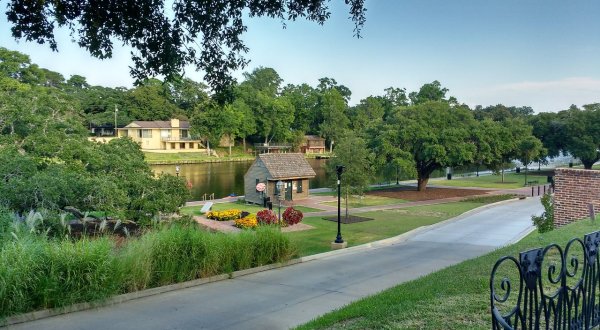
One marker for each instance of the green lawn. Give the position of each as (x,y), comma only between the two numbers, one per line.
(456,297)
(386,224)
(511,180)
(195,210)
(366,200)
(237,154)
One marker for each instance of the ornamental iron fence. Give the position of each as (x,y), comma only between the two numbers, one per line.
(557,288)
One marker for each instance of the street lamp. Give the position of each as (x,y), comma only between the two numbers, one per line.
(339,169)
(279,185)
(177,169)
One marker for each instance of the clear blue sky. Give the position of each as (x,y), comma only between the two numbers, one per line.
(541,53)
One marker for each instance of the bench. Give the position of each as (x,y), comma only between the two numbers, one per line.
(206,207)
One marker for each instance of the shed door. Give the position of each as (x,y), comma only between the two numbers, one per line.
(288,190)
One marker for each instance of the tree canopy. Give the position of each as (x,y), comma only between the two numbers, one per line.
(207,34)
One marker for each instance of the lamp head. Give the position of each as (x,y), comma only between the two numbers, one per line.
(339,169)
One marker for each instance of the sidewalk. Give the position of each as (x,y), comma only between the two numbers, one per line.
(290,296)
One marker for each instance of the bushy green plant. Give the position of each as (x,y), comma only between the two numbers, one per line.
(37,272)
(545,222)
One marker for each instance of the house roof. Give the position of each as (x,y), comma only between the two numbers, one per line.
(289,165)
(157,124)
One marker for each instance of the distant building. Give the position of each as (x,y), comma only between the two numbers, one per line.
(313,144)
(162,135)
(290,168)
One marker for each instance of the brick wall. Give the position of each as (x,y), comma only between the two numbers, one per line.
(574,190)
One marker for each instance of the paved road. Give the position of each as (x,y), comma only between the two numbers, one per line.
(282,298)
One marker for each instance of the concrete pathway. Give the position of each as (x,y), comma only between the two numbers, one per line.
(289,296)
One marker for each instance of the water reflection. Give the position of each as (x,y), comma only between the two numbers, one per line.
(226,178)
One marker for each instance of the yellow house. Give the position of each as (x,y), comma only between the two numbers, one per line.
(162,135)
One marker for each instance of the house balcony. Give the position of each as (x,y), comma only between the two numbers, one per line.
(178,139)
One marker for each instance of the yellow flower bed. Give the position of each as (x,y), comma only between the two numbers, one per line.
(248,221)
(224,215)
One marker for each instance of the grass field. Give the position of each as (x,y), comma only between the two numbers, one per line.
(511,180)
(237,154)
(456,297)
(366,200)
(195,210)
(386,224)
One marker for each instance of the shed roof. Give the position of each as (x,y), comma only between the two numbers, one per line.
(157,124)
(289,165)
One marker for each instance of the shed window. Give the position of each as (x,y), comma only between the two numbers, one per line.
(299,186)
(257,181)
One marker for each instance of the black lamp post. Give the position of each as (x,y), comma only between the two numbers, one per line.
(339,169)
(177,168)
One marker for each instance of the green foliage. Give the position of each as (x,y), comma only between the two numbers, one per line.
(431,135)
(545,222)
(37,273)
(165,40)
(352,152)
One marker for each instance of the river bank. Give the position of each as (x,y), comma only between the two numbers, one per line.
(156,158)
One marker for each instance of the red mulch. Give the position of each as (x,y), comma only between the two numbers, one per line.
(411,193)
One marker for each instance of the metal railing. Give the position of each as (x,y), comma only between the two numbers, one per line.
(206,197)
(548,288)
(178,139)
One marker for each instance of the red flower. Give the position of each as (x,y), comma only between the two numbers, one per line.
(292,216)
(266,217)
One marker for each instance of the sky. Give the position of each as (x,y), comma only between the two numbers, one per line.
(539,53)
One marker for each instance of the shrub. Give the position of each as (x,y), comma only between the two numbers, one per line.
(248,221)
(292,216)
(37,273)
(545,222)
(224,215)
(266,217)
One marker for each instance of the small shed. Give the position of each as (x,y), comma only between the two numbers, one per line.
(313,144)
(291,168)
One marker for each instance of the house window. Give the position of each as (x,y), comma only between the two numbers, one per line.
(299,186)
(184,133)
(145,133)
(257,181)
(165,133)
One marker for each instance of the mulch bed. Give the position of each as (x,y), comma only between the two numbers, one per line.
(411,193)
(350,219)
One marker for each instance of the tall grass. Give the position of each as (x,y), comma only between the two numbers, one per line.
(37,273)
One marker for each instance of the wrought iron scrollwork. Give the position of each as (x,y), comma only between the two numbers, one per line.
(548,288)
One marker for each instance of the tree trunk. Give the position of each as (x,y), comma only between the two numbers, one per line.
(331,146)
(502,170)
(422,183)
(346,204)
(244,139)
(588,163)
(208,147)
(229,145)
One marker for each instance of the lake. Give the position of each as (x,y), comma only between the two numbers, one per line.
(227,178)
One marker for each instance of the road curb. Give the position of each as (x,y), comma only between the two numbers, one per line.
(46,313)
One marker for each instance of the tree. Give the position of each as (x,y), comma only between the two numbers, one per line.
(352,152)
(582,133)
(528,149)
(333,107)
(434,134)
(151,101)
(207,123)
(430,92)
(206,34)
